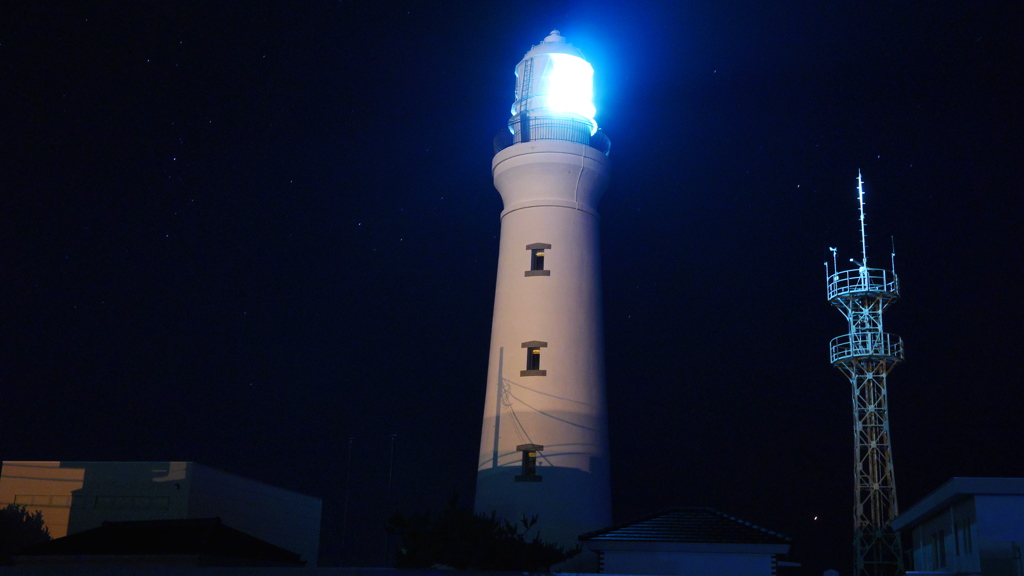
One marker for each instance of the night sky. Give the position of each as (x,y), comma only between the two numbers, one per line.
(244,233)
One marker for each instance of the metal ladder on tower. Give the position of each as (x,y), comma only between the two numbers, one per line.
(524,96)
(525,85)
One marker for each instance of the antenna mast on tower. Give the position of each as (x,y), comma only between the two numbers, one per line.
(866,355)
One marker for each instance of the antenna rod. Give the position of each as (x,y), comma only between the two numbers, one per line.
(893,239)
(863,240)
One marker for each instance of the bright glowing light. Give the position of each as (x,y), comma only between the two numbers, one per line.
(561,85)
(569,85)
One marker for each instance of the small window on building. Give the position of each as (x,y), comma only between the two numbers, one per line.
(537,252)
(942,549)
(529,471)
(968,543)
(537,259)
(533,359)
(54,500)
(939,550)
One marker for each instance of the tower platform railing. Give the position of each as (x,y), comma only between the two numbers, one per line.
(867,346)
(550,128)
(863,281)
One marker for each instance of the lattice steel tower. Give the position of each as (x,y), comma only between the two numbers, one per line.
(865,355)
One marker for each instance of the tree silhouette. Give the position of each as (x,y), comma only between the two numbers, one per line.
(18,529)
(459,539)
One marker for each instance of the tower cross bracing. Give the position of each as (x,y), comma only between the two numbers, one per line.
(865,355)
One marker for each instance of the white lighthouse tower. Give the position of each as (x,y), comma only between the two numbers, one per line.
(544,443)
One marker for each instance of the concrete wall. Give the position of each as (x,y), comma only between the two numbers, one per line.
(949,539)
(1000,533)
(978,533)
(78,496)
(283,518)
(127,492)
(550,190)
(42,487)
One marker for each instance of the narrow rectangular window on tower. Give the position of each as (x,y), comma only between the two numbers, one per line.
(529,471)
(537,259)
(533,358)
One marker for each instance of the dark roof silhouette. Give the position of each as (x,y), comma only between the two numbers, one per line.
(206,541)
(688,525)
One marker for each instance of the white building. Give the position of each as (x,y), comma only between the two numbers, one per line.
(78,496)
(543,446)
(967,526)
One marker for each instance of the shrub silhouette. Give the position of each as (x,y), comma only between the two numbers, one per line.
(459,539)
(18,529)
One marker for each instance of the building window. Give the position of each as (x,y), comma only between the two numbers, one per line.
(131,503)
(939,549)
(529,471)
(537,259)
(42,500)
(537,252)
(533,358)
(968,544)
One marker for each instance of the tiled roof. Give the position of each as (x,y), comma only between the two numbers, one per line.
(691,525)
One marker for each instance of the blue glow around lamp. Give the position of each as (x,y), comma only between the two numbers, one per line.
(553,80)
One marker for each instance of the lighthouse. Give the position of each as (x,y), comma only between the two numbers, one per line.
(544,439)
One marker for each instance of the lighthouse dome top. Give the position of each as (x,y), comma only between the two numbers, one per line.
(554,43)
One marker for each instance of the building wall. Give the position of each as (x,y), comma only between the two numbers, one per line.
(948,540)
(128,492)
(550,190)
(1000,533)
(42,487)
(690,564)
(283,518)
(976,534)
(78,496)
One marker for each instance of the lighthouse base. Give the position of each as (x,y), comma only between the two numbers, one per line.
(566,502)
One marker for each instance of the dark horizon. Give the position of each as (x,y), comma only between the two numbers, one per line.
(241,235)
